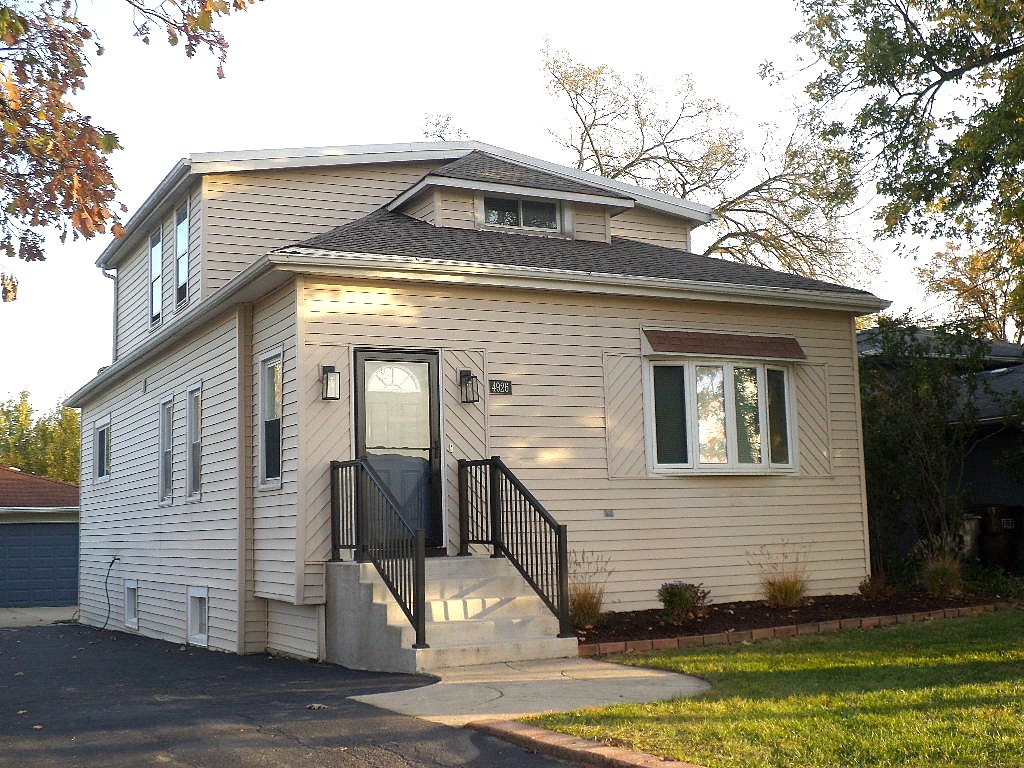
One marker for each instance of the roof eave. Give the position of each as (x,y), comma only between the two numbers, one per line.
(382,266)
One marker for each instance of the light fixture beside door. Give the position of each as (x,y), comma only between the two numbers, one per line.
(330,380)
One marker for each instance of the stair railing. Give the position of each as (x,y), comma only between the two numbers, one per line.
(367,518)
(497,510)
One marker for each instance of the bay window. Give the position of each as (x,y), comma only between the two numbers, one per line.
(719,416)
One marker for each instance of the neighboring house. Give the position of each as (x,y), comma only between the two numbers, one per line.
(317,352)
(38,540)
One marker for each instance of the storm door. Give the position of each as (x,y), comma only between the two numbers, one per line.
(398,431)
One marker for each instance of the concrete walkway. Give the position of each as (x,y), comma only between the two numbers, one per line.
(516,689)
(11,618)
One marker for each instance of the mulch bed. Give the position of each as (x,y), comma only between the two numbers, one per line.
(754,614)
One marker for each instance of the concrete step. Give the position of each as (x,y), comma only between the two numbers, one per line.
(483,631)
(486,608)
(439,657)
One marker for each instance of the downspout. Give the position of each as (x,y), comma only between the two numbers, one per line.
(116,279)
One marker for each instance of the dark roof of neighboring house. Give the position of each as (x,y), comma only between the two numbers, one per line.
(480,166)
(994,387)
(998,351)
(23,489)
(395,234)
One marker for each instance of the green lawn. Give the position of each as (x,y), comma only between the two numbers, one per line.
(947,693)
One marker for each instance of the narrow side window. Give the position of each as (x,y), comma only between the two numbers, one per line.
(166,449)
(778,417)
(670,427)
(181,252)
(195,441)
(131,603)
(271,404)
(101,450)
(156,283)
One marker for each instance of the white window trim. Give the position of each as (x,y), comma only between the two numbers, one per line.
(480,216)
(161,498)
(159,234)
(179,303)
(190,493)
(693,467)
(131,618)
(201,640)
(271,484)
(100,424)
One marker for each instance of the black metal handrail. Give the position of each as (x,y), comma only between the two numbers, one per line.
(367,518)
(496,509)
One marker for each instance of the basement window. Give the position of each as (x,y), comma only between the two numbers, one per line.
(523,214)
(131,603)
(198,616)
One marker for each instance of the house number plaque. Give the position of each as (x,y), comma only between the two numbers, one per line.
(499,386)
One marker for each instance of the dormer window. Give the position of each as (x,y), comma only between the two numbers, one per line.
(526,214)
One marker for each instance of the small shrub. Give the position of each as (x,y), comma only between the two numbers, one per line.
(783,583)
(684,601)
(992,582)
(940,574)
(588,575)
(875,587)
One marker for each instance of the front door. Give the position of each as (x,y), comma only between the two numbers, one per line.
(398,431)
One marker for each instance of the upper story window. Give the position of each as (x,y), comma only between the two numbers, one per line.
(271,407)
(719,416)
(156,283)
(527,214)
(101,449)
(181,252)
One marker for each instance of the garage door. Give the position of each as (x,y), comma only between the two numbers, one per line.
(38,564)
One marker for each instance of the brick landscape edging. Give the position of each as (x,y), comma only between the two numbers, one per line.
(767,633)
(571,748)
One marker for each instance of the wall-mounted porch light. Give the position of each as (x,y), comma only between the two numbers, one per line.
(469,385)
(331,382)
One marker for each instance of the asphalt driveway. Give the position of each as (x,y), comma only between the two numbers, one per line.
(74,696)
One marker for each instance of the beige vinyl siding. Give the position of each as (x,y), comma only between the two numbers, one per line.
(172,546)
(246,215)
(275,532)
(133,326)
(293,630)
(552,429)
(652,227)
(590,222)
(423,207)
(456,208)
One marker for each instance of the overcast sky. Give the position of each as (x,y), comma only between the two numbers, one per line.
(332,72)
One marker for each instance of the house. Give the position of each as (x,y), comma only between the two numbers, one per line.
(38,540)
(337,370)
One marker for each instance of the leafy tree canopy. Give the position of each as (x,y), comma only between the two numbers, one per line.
(930,100)
(53,159)
(45,445)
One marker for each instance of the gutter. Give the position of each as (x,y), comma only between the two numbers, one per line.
(394,267)
(39,510)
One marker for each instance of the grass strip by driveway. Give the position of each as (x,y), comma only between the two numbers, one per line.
(948,693)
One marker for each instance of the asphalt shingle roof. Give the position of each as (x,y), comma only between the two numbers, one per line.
(480,166)
(395,234)
(23,489)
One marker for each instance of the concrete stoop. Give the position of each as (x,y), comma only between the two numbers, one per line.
(479,611)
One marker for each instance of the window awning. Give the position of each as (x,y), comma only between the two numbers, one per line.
(727,344)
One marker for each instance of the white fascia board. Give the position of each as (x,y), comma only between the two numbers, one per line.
(305,157)
(505,189)
(39,510)
(387,267)
(252,283)
(142,220)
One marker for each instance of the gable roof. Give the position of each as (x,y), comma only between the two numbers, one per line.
(395,234)
(186,170)
(23,489)
(483,167)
